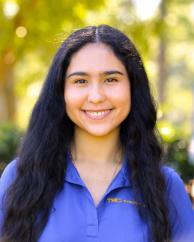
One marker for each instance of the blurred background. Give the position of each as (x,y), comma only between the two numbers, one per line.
(32,30)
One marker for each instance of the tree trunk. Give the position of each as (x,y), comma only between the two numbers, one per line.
(162,65)
(7,97)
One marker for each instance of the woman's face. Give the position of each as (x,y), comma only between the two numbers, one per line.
(97,90)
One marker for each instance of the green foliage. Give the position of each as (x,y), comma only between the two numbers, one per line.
(43,21)
(10,137)
(177,157)
(175,143)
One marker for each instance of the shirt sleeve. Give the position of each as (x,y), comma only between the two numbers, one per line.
(6,180)
(181,213)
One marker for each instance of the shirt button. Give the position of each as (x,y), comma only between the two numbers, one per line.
(92,230)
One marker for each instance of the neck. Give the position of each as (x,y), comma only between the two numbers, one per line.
(96,150)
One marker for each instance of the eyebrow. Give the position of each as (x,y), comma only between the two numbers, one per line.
(81,73)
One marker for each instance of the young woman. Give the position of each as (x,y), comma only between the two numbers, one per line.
(90,166)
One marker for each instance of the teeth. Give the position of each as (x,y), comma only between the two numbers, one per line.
(97,114)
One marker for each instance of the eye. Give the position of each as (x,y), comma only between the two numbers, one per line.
(110,80)
(80,81)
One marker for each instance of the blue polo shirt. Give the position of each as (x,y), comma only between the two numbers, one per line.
(75,218)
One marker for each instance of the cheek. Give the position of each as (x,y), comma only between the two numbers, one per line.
(69,101)
(125,101)
(123,96)
(73,100)
(127,93)
(71,96)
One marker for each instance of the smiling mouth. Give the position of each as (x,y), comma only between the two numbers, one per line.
(96,115)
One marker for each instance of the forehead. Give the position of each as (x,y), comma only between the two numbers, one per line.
(94,57)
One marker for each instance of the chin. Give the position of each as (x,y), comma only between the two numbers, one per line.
(99,133)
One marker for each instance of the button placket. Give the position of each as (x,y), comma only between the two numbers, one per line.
(92,221)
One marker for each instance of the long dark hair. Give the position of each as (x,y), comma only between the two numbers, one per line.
(41,164)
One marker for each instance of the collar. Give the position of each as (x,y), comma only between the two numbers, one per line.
(122,179)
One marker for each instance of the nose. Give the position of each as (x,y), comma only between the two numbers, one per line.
(96,94)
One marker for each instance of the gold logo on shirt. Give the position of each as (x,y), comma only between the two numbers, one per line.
(120,200)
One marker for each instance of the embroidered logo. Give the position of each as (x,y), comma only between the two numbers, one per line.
(120,200)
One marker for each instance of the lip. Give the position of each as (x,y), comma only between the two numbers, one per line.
(104,114)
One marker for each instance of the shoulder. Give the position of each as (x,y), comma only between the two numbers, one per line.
(8,176)
(181,214)
(175,188)
(171,176)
